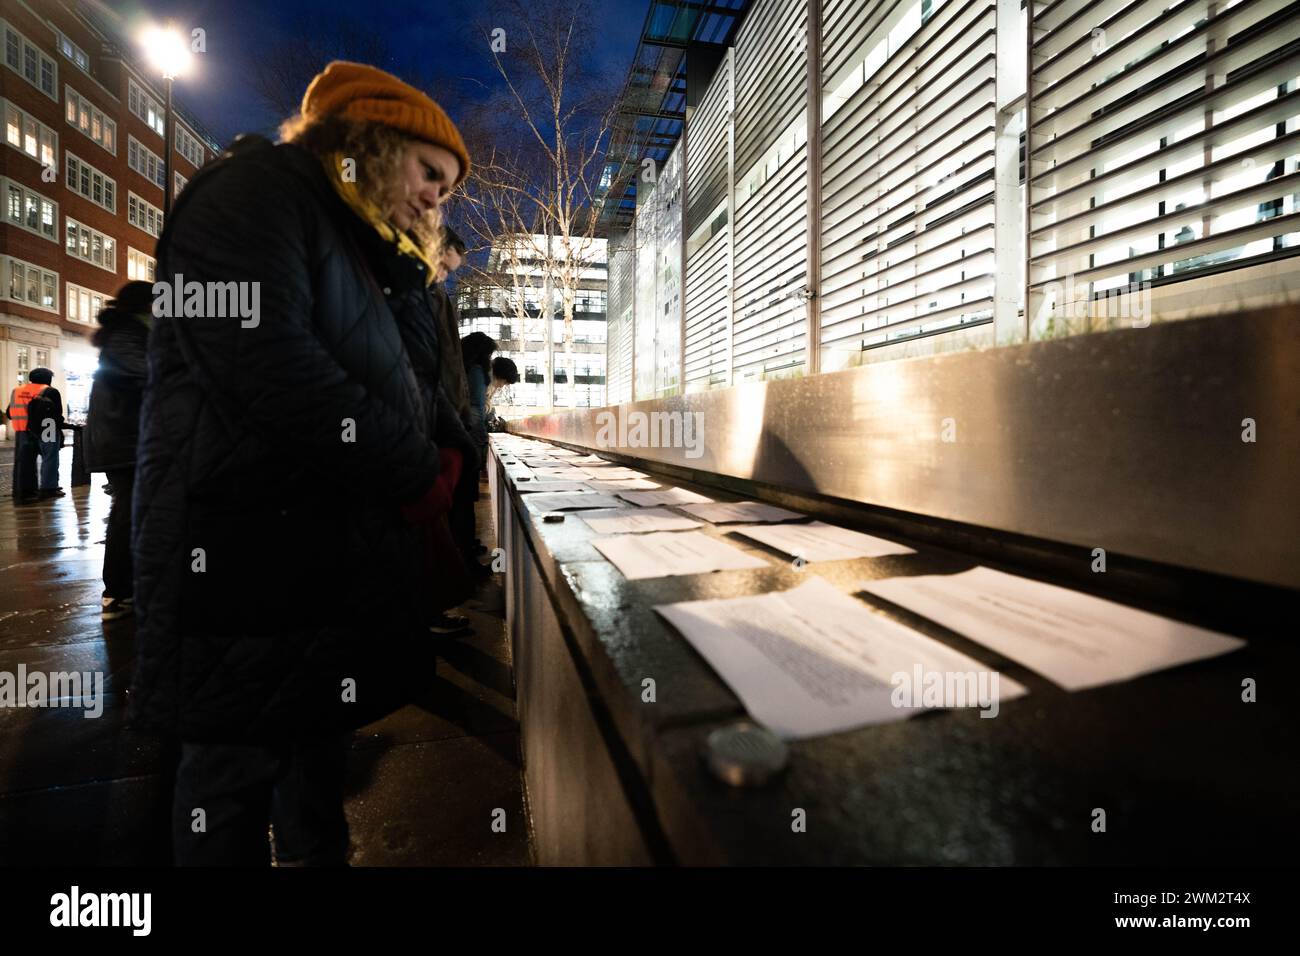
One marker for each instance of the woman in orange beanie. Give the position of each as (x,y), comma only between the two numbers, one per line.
(396,184)
(290,465)
(406,154)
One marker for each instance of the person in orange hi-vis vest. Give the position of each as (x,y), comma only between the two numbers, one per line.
(25,443)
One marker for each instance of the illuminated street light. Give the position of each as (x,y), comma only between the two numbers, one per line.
(167,50)
(169,53)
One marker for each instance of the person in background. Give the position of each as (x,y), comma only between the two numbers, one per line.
(456,385)
(448,318)
(504,374)
(113,426)
(476,350)
(25,444)
(418,311)
(45,426)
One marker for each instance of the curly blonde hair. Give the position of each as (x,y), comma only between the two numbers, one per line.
(378,151)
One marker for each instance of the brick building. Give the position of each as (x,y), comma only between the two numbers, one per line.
(81,183)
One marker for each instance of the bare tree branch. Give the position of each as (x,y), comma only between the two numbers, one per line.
(542,138)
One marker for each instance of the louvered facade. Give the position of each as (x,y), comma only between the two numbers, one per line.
(969,173)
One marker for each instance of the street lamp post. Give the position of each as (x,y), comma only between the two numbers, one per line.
(169,135)
(168,52)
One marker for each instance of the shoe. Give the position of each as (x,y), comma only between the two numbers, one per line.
(449,625)
(114,608)
(51,493)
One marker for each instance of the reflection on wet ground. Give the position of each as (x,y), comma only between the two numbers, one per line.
(424,783)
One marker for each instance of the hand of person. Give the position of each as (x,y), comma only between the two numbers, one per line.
(450,461)
(437,500)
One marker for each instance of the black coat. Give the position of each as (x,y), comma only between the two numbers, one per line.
(415,306)
(275,456)
(446,320)
(113,422)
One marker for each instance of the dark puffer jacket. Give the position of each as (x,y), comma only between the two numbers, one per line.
(414,306)
(113,422)
(279,593)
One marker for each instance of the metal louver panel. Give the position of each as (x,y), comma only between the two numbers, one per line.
(771,274)
(769,232)
(707,294)
(971,166)
(771,76)
(845,26)
(618,365)
(907,180)
(1155,127)
(706,155)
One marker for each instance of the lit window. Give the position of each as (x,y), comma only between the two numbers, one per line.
(91,120)
(74,53)
(31,284)
(144,215)
(31,63)
(27,208)
(139,265)
(89,182)
(147,108)
(145,162)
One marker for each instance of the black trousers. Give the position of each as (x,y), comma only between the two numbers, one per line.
(118,566)
(461,518)
(26,448)
(227,794)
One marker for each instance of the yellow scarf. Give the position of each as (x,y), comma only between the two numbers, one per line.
(371,214)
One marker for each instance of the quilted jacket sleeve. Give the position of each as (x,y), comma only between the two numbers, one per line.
(123,359)
(451,431)
(254,222)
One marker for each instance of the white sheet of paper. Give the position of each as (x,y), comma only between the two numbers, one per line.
(553,485)
(669,553)
(622,484)
(574,473)
(668,496)
(1071,638)
(613,474)
(730,512)
(636,520)
(589,460)
(817,541)
(813,660)
(571,501)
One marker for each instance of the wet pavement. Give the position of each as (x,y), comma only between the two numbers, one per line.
(429,785)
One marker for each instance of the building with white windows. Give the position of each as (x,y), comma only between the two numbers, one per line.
(505,301)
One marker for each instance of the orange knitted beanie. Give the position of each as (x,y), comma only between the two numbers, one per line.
(365,93)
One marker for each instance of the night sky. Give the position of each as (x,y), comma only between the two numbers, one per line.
(218,92)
